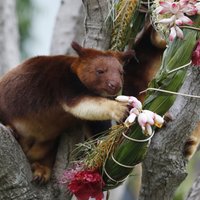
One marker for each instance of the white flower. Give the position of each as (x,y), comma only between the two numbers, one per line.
(135,110)
(148,130)
(133,101)
(158,120)
(142,120)
(122,98)
(131,118)
(150,116)
(198,7)
(146,118)
(175,31)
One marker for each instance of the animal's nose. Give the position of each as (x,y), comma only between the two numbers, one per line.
(113,85)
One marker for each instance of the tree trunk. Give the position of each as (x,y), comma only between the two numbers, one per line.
(9,48)
(15,173)
(165,165)
(96,24)
(194,193)
(68,27)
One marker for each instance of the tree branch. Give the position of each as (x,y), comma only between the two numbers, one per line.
(15,173)
(97,30)
(165,165)
(194,192)
(9,51)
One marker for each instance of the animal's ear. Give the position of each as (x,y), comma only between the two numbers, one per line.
(78,48)
(125,56)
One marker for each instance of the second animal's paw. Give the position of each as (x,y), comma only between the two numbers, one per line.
(119,111)
(192,143)
(41,173)
(191,147)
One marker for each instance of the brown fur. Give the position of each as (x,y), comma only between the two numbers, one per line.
(138,73)
(192,142)
(47,95)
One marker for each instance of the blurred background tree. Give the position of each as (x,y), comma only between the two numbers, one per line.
(25,15)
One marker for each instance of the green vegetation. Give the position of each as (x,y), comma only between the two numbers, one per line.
(24,13)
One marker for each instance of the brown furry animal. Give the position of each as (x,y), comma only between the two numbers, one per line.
(46,95)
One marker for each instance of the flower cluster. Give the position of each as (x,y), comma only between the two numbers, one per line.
(84,183)
(84,180)
(196,54)
(176,14)
(146,118)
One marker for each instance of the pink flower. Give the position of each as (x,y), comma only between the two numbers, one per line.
(131,118)
(84,184)
(145,118)
(133,101)
(169,20)
(176,15)
(196,55)
(197,5)
(167,7)
(182,19)
(143,122)
(69,174)
(175,31)
(190,9)
(148,118)
(158,120)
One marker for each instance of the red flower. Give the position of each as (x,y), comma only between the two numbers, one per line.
(86,184)
(196,55)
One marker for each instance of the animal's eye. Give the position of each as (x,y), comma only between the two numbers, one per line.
(99,71)
(121,73)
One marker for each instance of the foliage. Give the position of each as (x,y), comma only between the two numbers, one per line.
(24,13)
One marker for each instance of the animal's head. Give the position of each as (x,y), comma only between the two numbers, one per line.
(100,71)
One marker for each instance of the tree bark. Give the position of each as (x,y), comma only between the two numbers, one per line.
(69,26)
(9,37)
(165,165)
(98,32)
(15,173)
(194,193)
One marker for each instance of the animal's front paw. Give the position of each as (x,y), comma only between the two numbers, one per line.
(190,147)
(192,143)
(167,118)
(41,173)
(119,111)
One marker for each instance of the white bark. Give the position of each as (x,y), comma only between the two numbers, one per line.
(69,26)
(96,24)
(9,48)
(165,166)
